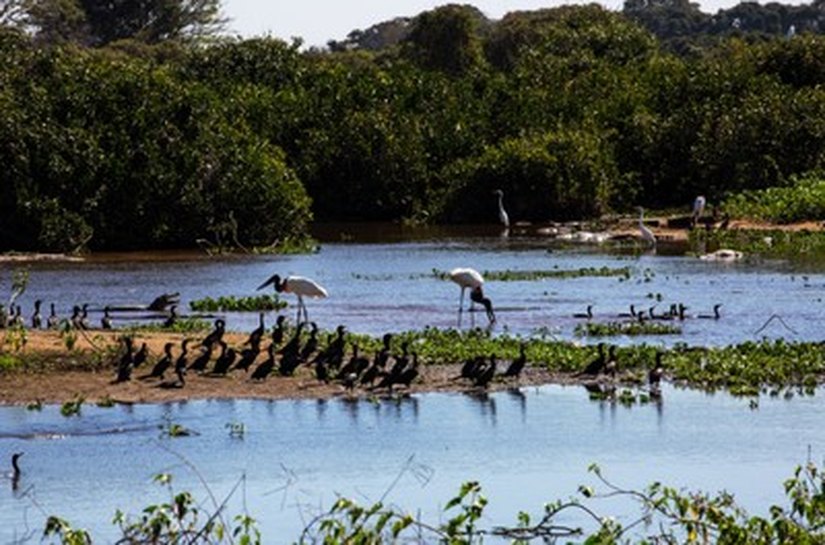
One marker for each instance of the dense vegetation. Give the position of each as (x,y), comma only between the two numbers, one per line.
(572,111)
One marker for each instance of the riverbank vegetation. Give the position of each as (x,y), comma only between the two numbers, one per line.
(162,139)
(754,368)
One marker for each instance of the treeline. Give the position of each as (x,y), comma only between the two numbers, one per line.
(572,111)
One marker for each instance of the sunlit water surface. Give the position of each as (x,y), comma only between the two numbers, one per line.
(525,446)
(382,286)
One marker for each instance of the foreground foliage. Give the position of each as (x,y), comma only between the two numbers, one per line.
(666,515)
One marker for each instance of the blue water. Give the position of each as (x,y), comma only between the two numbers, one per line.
(526,447)
(379,287)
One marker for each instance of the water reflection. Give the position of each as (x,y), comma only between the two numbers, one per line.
(433,441)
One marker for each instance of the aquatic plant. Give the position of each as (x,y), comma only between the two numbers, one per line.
(594,329)
(231,303)
(72,407)
(801,245)
(530,275)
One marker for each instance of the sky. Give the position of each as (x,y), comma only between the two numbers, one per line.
(317,21)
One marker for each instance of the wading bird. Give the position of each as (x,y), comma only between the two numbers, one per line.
(300,286)
(502,213)
(646,233)
(698,208)
(472,279)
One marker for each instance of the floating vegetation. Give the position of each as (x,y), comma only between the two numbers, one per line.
(173,429)
(230,303)
(521,276)
(72,408)
(772,243)
(105,402)
(592,329)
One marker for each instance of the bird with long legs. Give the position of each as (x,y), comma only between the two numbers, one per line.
(471,279)
(502,213)
(298,285)
(647,235)
(698,209)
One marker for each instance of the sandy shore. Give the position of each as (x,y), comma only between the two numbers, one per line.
(50,378)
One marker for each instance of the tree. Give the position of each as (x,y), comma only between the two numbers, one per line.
(446,39)
(101,22)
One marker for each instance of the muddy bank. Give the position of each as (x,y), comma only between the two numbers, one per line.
(53,374)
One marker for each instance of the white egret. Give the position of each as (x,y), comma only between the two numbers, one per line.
(502,213)
(300,286)
(647,234)
(698,208)
(472,279)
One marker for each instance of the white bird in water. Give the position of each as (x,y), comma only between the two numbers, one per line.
(300,286)
(472,279)
(647,234)
(502,213)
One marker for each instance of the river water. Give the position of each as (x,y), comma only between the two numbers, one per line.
(526,446)
(377,285)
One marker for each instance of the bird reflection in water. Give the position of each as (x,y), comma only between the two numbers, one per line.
(486,403)
(520,399)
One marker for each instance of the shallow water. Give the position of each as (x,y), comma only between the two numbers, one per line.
(526,447)
(380,280)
